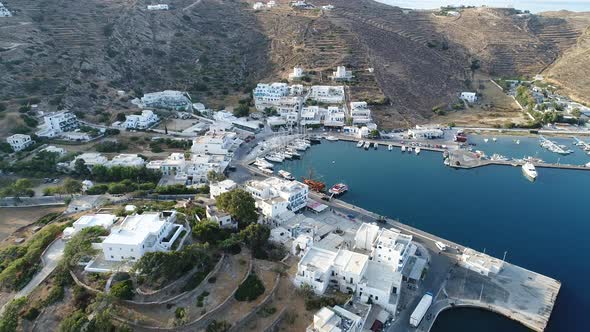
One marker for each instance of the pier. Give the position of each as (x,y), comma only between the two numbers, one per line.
(466,160)
(456,281)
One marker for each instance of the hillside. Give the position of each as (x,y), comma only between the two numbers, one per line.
(77,55)
(571,71)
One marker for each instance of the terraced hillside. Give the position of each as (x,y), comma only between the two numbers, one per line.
(77,54)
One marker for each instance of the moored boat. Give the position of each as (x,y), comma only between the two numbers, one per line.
(360,144)
(263,163)
(390,147)
(338,189)
(403,148)
(286,175)
(332,138)
(417,150)
(367,145)
(529,171)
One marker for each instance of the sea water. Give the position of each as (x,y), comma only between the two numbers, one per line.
(543,226)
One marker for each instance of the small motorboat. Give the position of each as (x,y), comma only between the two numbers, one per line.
(403,148)
(390,147)
(360,144)
(417,150)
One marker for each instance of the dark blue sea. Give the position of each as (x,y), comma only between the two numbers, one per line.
(544,226)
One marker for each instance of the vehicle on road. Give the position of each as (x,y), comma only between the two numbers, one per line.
(421,309)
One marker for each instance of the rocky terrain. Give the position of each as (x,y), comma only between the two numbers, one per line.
(77,55)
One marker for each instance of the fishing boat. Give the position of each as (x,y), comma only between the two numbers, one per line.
(286,175)
(403,148)
(417,150)
(263,163)
(332,138)
(338,189)
(390,147)
(360,144)
(529,171)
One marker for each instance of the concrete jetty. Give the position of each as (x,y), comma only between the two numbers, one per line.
(466,160)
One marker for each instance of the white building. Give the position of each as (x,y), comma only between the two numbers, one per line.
(127,160)
(269,95)
(191,171)
(103,220)
(91,159)
(426,133)
(333,116)
(274,196)
(336,319)
(360,113)
(297,73)
(327,94)
(480,262)
(158,7)
(469,97)
(218,188)
(222,218)
(19,142)
(175,163)
(373,272)
(143,121)
(341,74)
(57,123)
(214,143)
(54,149)
(141,233)
(258,5)
(169,99)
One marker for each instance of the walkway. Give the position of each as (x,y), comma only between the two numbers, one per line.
(50,259)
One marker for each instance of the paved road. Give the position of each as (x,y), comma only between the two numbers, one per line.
(50,258)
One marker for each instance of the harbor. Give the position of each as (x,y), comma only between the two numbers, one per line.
(478,224)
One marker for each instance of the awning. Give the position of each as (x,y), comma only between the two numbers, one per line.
(316,206)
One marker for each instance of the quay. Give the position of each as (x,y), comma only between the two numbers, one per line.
(467,160)
(456,280)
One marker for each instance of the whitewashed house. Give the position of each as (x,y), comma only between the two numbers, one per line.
(360,113)
(54,149)
(91,159)
(141,233)
(274,194)
(175,163)
(105,221)
(143,121)
(337,319)
(127,160)
(222,218)
(470,97)
(214,143)
(341,74)
(297,73)
(19,142)
(218,188)
(269,95)
(57,123)
(426,133)
(158,7)
(327,94)
(168,99)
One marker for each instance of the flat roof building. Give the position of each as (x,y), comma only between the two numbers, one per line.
(19,142)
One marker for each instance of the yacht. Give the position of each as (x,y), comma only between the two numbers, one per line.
(417,150)
(367,145)
(286,155)
(266,170)
(294,153)
(286,175)
(390,147)
(274,157)
(403,148)
(263,163)
(529,170)
(360,144)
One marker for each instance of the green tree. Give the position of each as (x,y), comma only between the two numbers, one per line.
(240,205)
(123,290)
(241,111)
(9,318)
(209,231)
(80,168)
(5,147)
(21,187)
(255,236)
(74,322)
(72,186)
(213,176)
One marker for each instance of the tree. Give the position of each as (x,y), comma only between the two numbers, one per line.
(255,236)
(240,205)
(80,168)
(209,231)
(241,111)
(123,290)
(21,187)
(74,322)
(121,117)
(5,147)
(213,176)
(72,186)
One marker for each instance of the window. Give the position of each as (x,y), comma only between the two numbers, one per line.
(111,248)
(376,298)
(112,256)
(131,249)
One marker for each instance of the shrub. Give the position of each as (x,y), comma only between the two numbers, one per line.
(55,294)
(250,289)
(9,318)
(123,290)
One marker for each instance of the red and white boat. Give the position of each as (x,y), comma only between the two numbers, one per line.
(338,189)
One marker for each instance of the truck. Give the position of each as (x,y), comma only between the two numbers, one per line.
(421,309)
(441,246)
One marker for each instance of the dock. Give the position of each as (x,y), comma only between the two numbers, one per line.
(464,159)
